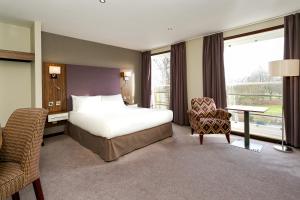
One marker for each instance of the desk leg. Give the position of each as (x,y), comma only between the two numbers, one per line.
(246,143)
(246,129)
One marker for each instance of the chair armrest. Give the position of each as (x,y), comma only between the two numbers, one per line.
(222,114)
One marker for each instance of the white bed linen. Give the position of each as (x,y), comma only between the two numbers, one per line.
(121,121)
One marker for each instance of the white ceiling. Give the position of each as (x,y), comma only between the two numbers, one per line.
(143,24)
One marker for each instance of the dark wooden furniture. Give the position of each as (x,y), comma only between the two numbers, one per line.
(56,124)
(54,97)
(247,110)
(54,89)
(16,56)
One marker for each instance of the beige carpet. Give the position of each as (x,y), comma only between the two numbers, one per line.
(173,169)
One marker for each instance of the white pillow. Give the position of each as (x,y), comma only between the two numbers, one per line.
(86,103)
(112,101)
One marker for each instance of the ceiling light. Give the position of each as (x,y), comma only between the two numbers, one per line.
(102,1)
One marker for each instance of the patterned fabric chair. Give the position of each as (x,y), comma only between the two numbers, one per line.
(20,153)
(206,119)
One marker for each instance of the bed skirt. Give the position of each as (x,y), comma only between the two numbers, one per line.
(111,149)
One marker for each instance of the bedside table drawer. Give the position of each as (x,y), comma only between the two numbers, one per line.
(58,117)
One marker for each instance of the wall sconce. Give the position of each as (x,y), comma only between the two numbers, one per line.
(126,75)
(54,71)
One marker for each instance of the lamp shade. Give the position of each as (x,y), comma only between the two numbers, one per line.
(288,67)
(127,74)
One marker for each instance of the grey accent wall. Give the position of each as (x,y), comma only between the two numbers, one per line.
(67,50)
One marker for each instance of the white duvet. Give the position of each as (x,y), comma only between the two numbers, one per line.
(119,122)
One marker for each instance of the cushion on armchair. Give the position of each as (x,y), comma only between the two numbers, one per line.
(213,126)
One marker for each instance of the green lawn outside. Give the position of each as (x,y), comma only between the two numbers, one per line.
(273,110)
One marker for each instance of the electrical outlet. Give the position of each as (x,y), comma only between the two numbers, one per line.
(50,103)
(57,103)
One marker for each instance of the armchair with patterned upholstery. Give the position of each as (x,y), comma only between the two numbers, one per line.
(20,152)
(205,118)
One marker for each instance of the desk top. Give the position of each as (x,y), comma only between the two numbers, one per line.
(248,108)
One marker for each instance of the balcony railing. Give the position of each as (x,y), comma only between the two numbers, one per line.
(160,97)
(267,124)
(256,95)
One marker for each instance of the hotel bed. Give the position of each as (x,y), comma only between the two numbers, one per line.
(112,129)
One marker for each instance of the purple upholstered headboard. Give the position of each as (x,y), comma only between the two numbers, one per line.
(90,81)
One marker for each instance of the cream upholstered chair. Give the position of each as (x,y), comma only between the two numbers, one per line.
(205,118)
(20,152)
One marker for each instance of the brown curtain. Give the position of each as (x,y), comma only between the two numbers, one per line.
(291,85)
(213,69)
(146,79)
(178,102)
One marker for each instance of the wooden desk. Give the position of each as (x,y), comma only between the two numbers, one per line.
(247,110)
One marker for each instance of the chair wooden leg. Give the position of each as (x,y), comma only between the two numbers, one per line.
(16,196)
(201,139)
(192,130)
(38,189)
(228,138)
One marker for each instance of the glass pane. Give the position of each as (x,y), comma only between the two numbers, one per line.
(160,81)
(249,83)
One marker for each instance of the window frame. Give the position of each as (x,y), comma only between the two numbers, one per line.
(254,32)
(158,53)
(161,52)
(272,28)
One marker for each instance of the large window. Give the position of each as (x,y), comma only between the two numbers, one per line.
(160,82)
(248,82)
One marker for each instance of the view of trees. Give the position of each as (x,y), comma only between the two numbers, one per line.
(160,80)
(256,89)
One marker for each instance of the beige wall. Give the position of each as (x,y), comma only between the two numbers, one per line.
(194,56)
(194,68)
(37,92)
(61,49)
(15,77)
(15,37)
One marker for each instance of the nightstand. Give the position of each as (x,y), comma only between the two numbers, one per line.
(132,105)
(56,123)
